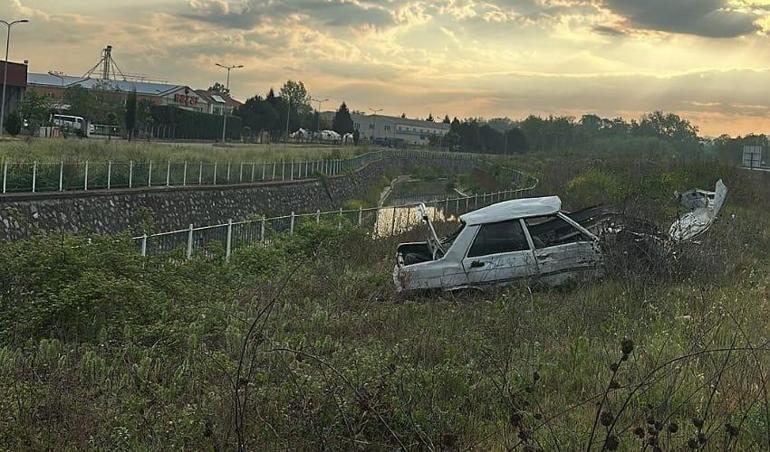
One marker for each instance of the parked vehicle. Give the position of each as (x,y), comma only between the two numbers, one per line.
(73,123)
(532,239)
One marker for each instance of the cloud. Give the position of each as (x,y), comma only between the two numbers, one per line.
(708,18)
(245,14)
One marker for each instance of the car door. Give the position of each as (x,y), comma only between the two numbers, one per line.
(499,254)
(564,250)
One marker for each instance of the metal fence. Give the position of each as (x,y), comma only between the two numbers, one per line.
(33,177)
(380,221)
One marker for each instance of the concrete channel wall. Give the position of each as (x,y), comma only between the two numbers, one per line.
(160,209)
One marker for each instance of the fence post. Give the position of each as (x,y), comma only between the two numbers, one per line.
(274,163)
(262,232)
(393,222)
(240,173)
(200,173)
(253,166)
(339,220)
(360,215)
(34,176)
(263,171)
(190,242)
(291,175)
(130,173)
(168,173)
(228,248)
(149,175)
(291,225)
(228,172)
(5,173)
(184,174)
(215,173)
(61,176)
(318,216)
(144,245)
(85,178)
(109,174)
(283,170)
(476,201)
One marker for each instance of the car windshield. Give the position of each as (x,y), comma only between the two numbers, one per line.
(447,241)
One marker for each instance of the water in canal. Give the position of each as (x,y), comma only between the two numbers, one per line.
(404,194)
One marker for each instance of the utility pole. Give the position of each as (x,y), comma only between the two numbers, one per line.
(288,113)
(5,70)
(320,104)
(227,88)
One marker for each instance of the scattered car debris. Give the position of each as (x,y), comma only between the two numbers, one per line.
(533,239)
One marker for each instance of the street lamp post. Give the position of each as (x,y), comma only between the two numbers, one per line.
(227,87)
(5,70)
(320,106)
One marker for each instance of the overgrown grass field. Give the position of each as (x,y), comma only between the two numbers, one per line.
(304,345)
(101,150)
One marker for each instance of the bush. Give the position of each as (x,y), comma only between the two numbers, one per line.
(13,124)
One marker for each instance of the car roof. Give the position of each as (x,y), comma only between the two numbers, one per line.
(517,208)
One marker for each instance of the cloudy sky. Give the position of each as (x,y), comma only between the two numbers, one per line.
(708,60)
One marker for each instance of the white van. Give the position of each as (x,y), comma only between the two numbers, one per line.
(73,123)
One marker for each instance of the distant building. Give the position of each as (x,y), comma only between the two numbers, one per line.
(16,85)
(397,130)
(218,102)
(157,93)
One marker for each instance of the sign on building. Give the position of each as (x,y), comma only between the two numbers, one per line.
(752,156)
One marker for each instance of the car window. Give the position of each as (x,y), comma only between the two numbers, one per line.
(495,238)
(553,231)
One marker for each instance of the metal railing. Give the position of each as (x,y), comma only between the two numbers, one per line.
(38,176)
(381,221)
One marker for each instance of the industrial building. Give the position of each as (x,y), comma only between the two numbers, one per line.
(16,84)
(395,130)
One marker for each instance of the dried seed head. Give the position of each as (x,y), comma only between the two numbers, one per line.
(673,427)
(516,418)
(612,443)
(627,346)
(697,422)
(606,418)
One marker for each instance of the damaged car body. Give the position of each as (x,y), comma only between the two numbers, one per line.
(530,239)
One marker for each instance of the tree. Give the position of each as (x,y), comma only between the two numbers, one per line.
(130,119)
(446,120)
(356,137)
(296,95)
(259,115)
(219,88)
(13,124)
(342,122)
(35,108)
(516,141)
(430,117)
(403,115)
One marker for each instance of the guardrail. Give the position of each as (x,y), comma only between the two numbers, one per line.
(380,220)
(38,176)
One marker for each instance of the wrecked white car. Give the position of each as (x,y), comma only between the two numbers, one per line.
(528,239)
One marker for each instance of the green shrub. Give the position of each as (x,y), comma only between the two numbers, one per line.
(13,124)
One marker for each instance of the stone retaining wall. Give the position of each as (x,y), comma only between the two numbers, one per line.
(116,211)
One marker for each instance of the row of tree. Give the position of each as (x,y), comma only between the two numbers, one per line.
(589,133)
(274,116)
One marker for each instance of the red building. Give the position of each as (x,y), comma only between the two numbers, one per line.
(16,84)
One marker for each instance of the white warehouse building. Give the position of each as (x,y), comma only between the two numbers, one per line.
(396,130)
